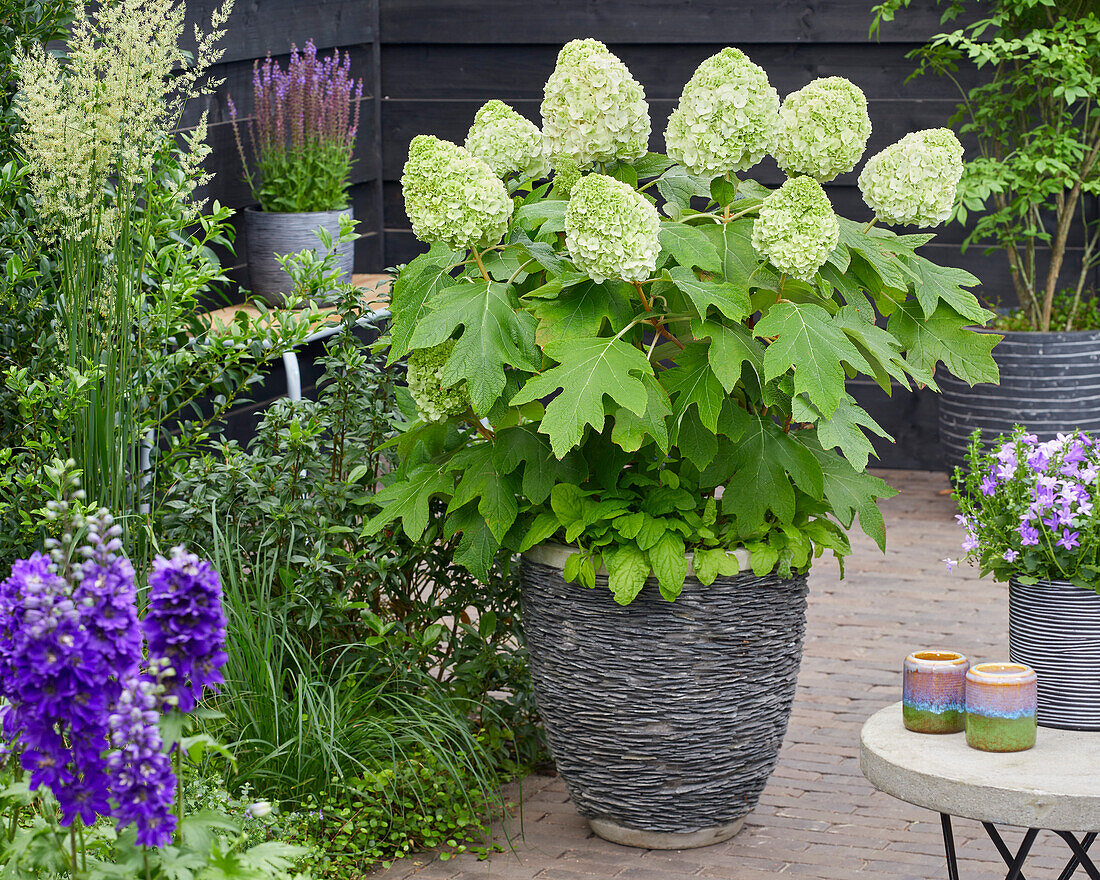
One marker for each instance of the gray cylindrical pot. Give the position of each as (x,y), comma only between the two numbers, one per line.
(267,234)
(1054,627)
(664,719)
(1050,382)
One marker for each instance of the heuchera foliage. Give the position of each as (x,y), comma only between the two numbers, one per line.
(627,351)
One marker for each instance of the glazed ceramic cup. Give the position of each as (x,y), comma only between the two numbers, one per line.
(1000,707)
(933,691)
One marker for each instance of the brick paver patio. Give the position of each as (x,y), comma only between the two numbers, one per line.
(818,817)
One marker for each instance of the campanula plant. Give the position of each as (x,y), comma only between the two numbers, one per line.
(1027,507)
(302,131)
(594,356)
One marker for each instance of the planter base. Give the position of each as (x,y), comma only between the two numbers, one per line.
(620,834)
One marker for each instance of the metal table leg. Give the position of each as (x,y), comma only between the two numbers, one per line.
(949,847)
(1015,862)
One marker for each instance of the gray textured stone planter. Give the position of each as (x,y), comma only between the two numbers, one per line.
(267,234)
(1054,627)
(1050,382)
(664,719)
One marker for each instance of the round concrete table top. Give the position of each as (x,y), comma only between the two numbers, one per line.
(1055,785)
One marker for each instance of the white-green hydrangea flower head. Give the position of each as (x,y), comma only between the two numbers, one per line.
(424,375)
(611,230)
(452,196)
(508,143)
(566,173)
(727,117)
(823,129)
(796,228)
(593,109)
(914,181)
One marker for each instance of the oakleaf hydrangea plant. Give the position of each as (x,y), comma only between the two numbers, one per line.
(645,356)
(1027,508)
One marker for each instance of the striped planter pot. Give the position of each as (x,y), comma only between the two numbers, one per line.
(1054,627)
(1050,382)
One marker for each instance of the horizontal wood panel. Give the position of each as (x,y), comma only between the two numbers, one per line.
(646,21)
(403,120)
(517,72)
(257,28)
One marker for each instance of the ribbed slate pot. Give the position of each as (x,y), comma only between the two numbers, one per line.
(1054,627)
(664,719)
(1050,382)
(270,233)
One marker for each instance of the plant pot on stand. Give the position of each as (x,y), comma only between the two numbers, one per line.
(664,720)
(269,233)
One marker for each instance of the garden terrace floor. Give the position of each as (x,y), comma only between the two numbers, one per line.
(818,818)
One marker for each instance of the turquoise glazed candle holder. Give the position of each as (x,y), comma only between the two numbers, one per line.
(1001,699)
(933,691)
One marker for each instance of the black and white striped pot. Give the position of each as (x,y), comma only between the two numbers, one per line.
(664,718)
(268,233)
(1054,627)
(1050,382)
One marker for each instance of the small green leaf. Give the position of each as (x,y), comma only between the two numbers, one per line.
(669,564)
(627,570)
(730,300)
(544,526)
(689,247)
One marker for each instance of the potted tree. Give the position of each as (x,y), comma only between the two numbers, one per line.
(1028,188)
(651,407)
(302,132)
(1028,510)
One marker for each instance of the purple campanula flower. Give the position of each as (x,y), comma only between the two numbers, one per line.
(971,542)
(1075,454)
(1029,535)
(1053,521)
(1037,460)
(989,484)
(143,783)
(950,563)
(1069,539)
(1010,555)
(185,624)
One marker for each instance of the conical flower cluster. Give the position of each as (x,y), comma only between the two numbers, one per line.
(435,400)
(611,230)
(452,196)
(508,143)
(593,109)
(727,117)
(913,182)
(823,129)
(796,229)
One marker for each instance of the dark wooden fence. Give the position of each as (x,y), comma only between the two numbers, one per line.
(428,65)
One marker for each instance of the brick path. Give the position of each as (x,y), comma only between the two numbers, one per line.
(818,818)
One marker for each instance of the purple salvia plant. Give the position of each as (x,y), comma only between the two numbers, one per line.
(302,129)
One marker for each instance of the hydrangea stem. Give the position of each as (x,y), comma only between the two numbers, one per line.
(481,266)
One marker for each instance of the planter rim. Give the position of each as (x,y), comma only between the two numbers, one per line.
(1049,335)
(554,555)
(1014,580)
(253,209)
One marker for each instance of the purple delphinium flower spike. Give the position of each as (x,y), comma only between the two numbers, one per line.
(185,624)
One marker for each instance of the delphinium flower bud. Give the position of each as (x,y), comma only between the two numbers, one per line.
(823,129)
(435,400)
(796,228)
(727,116)
(611,230)
(143,783)
(914,180)
(508,143)
(184,624)
(452,196)
(592,108)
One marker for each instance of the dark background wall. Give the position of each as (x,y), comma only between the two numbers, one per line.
(428,65)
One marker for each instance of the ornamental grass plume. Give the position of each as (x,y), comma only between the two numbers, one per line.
(508,143)
(102,115)
(913,182)
(823,129)
(435,400)
(611,230)
(727,117)
(452,196)
(592,108)
(302,131)
(796,229)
